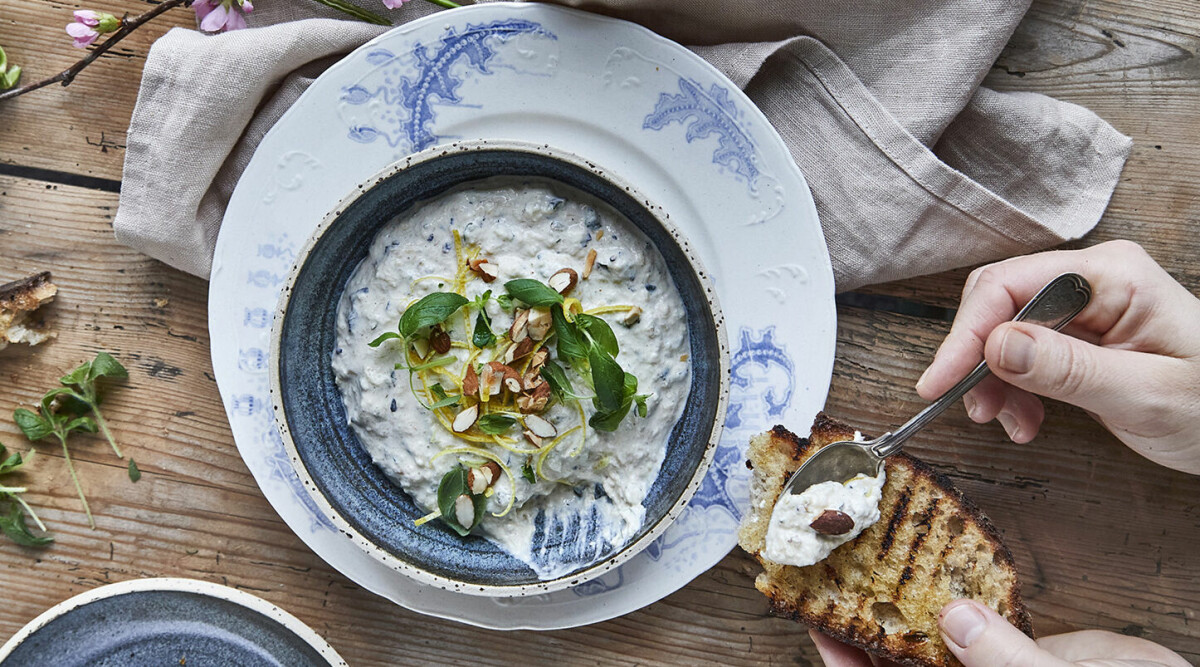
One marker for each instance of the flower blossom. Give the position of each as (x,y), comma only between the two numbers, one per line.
(89,25)
(393,4)
(222,15)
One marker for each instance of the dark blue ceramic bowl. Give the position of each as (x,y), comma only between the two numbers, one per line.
(166,622)
(337,471)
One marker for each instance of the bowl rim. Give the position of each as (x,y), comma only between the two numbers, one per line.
(395,561)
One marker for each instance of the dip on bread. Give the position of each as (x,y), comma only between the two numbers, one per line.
(465,407)
(806,527)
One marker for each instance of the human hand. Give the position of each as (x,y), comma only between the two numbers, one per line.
(1131,359)
(979,637)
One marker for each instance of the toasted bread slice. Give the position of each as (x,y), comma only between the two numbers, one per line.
(18,300)
(883,590)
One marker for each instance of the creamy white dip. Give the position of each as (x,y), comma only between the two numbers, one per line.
(594,482)
(790,538)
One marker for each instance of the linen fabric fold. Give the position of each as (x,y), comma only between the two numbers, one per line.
(914,167)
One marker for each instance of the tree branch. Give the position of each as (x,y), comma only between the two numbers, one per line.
(68,75)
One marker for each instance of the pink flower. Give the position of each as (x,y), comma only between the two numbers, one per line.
(393,4)
(222,15)
(89,25)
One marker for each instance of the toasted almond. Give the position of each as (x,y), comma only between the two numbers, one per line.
(539,359)
(509,378)
(464,511)
(485,269)
(439,340)
(477,480)
(589,263)
(539,323)
(517,332)
(563,280)
(421,347)
(832,522)
(470,384)
(519,350)
(464,419)
(536,400)
(632,317)
(540,427)
(489,382)
(533,439)
(491,470)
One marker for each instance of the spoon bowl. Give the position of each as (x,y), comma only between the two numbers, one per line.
(1053,307)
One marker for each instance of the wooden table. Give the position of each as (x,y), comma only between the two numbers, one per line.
(1102,538)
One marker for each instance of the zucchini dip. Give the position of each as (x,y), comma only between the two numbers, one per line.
(514,355)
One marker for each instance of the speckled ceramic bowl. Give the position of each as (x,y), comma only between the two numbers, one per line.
(166,621)
(336,470)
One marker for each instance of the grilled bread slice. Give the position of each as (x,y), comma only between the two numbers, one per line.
(883,590)
(18,300)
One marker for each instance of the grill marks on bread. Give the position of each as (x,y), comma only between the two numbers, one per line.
(883,590)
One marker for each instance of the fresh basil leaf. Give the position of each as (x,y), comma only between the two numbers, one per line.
(483,331)
(607,379)
(387,336)
(642,409)
(453,485)
(431,309)
(104,365)
(13,525)
(442,400)
(533,292)
(631,385)
(609,420)
(528,474)
(33,426)
(599,331)
(134,473)
(79,376)
(495,423)
(560,384)
(86,424)
(505,302)
(570,348)
(9,464)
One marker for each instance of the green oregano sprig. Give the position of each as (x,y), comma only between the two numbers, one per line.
(12,517)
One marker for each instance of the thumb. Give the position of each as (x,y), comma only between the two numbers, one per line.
(1052,364)
(979,637)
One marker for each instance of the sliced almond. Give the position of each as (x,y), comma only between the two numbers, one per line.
(464,419)
(536,400)
(539,323)
(484,268)
(509,378)
(439,340)
(563,281)
(632,317)
(491,470)
(517,332)
(489,382)
(533,439)
(477,480)
(589,263)
(540,427)
(464,511)
(421,347)
(470,385)
(519,350)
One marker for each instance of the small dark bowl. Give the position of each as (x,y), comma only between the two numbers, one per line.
(369,508)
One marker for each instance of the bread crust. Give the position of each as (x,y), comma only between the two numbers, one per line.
(831,620)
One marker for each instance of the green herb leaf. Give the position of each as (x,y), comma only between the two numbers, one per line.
(13,525)
(495,423)
(10,463)
(442,400)
(104,365)
(355,11)
(599,331)
(431,309)
(483,331)
(453,485)
(570,348)
(560,384)
(609,420)
(642,409)
(607,379)
(85,424)
(385,337)
(505,302)
(134,473)
(533,292)
(528,474)
(34,427)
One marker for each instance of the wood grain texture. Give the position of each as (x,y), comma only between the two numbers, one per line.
(1102,538)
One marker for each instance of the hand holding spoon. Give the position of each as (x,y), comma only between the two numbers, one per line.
(1054,306)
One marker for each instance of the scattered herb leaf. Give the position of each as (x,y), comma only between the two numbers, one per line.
(13,525)
(570,348)
(505,302)
(12,521)
(134,473)
(483,331)
(533,292)
(442,400)
(528,474)
(560,384)
(598,331)
(607,379)
(387,336)
(453,485)
(495,423)
(429,310)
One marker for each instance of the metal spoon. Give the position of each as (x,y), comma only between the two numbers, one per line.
(1054,306)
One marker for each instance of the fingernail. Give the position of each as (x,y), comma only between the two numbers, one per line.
(963,624)
(972,406)
(1017,351)
(921,380)
(1010,425)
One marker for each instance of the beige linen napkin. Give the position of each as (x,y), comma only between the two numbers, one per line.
(914,167)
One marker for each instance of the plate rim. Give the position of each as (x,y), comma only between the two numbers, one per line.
(181,585)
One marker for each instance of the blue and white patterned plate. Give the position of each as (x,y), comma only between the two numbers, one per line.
(166,621)
(604,89)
